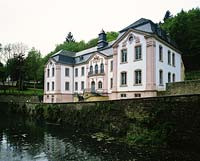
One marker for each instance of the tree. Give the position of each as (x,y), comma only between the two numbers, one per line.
(184,29)
(14,55)
(34,66)
(167,15)
(69,38)
(2,75)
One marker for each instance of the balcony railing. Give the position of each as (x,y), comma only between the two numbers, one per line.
(96,91)
(96,72)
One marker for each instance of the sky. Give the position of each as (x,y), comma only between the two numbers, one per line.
(44,23)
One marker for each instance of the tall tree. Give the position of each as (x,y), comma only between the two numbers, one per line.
(34,66)
(69,38)
(167,15)
(184,28)
(2,75)
(15,63)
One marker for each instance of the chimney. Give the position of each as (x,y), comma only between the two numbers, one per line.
(102,42)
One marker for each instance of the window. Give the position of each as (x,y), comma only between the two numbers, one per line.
(67,72)
(102,68)
(67,86)
(160,53)
(173,78)
(138,53)
(96,69)
(76,86)
(123,95)
(173,59)
(52,86)
(48,72)
(53,71)
(52,98)
(169,57)
(81,58)
(111,66)
(82,85)
(138,77)
(124,56)
(100,84)
(47,86)
(137,95)
(169,77)
(111,83)
(91,69)
(123,78)
(76,72)
(160,77)
(82,71)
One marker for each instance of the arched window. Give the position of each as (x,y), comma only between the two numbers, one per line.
(100,85)
(53,72)
(169,77)
(96,69)
(160,77)
(138,77)
(102,68)
(91,69)
(173,78)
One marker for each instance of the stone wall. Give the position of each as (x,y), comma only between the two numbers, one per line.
(164,121)
(19,98)
(178,88)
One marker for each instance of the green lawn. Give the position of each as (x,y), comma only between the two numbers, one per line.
(29,91)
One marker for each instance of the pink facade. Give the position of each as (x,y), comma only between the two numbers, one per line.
(128,67)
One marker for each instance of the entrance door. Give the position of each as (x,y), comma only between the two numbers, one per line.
(92,87)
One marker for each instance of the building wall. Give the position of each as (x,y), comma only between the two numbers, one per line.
(110,74)
(97,59)
(67,79)
(131,64)
(49,94)
(80,77)
(165,67)
(149,64)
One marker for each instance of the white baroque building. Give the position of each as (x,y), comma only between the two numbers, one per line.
(137,64)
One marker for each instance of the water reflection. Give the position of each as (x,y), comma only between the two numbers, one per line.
(27,140)
(22,140)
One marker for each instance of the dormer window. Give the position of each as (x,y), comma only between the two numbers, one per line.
(81,58)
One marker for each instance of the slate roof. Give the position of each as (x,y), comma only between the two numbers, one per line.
(71,58)
(144,25)
(148,26)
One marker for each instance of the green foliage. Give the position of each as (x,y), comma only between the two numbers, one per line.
(184,28)
(34,66)
(79,46)
(69,38)
(167,15)
(2,72)
(192,75)
(29,91)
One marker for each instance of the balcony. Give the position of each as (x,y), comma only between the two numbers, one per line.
(96,73)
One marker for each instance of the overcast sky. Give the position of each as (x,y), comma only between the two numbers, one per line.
(45,23)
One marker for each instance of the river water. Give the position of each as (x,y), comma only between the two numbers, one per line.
(27,140)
